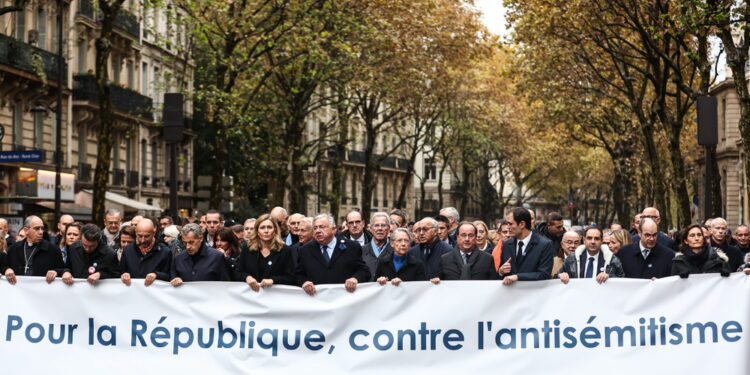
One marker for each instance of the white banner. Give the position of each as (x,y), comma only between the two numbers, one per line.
(669,326)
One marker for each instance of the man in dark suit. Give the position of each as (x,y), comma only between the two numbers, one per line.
(379,245)
(330,259)
(304,235)
(198,262)
(91,258)
(662,239)
(34,256)
(646,259)
(429,248)
(719,239)
(147,258)
(528,255)
(468,263)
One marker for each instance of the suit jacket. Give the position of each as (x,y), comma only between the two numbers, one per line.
(433,259)
(346,262)
(413,270)
(481,266)
(536,264)
(46,257)
(158,261)
(103,260)
(368,255)
(208,266)
(658,264)
(280,266)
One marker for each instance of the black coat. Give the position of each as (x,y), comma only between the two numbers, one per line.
(346,262)
(369,256)
(661,239)
(536,264)
(412,270)
(279,268)
(158,261)
(715,263)
(209,265)
(433,259)
(345,235)
(103,260)
(736,257)
(481,266)
(658,264)
(46,257)
(3,262)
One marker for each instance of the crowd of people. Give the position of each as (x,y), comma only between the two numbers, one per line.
(277,248)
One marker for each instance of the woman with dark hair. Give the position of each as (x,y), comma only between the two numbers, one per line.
(697,256)
(265,259)
(226,242)
(71,234)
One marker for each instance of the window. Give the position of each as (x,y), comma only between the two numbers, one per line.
(145,17)
(17,124)
(41,28)
(82,51)
(144,79)
(156,87)
(131,74)
(354,188)
(116,68)
(430,170)
(115,151)
(154,160)
(129,154)
(38,130)
(21,25)
(82,149)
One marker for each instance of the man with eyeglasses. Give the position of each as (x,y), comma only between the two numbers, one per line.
(719,240)
(664,240)
(147,258)
(355,229)
(742,236)
(592,260)
(647,258)
(33,256)
(112,222)
(468,263)
(379,246)
(90,258)
(214,222)
(429,248)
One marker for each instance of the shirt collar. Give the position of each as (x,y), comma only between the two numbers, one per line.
(332,244)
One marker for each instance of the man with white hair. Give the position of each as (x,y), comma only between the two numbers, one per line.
(9,240)
(112,222)
(719,240)
(293,222)
(330,259)
(454,218)
(429,249)
(379,246)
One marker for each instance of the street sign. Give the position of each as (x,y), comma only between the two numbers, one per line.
(21,156)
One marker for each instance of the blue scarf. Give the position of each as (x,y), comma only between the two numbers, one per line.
(399,261)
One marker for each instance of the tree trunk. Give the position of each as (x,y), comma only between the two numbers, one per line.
(103,46)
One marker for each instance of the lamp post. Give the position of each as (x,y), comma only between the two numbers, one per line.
(58,111)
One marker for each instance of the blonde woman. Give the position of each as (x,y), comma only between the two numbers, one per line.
(266,260)
(483,242)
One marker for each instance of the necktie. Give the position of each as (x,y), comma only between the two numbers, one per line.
(425,251)
(466,258)
(325,254)
(519,254)
(590,268)
(645,253)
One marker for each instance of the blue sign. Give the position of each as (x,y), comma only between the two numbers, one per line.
(21,156)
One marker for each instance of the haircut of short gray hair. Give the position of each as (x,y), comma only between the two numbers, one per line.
(192,227)
(307,220)
(383,215)
(401,230)
(113,212)
(329,217)
(453,213)
(713,222)
(29,219)
(433,223)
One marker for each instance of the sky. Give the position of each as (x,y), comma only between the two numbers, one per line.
(493,15)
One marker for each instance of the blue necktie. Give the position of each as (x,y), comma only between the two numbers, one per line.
(590,268)
(325,254)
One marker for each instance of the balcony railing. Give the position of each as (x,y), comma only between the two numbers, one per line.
(123,99)
(124,21)
(132,179)
(118,177)
(22,56)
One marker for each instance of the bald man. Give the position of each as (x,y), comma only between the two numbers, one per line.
(147,258)
(293,222)
(9,240)
(664,240)
(61,224)
(280,214)
(646,259)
